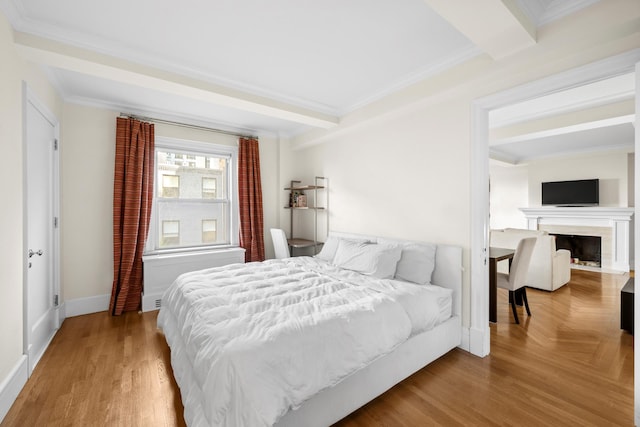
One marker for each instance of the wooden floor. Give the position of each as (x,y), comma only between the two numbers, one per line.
(567,365)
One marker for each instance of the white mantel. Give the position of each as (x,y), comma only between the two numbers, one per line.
(619,220)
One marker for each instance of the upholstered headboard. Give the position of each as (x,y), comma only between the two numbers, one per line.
(447,272)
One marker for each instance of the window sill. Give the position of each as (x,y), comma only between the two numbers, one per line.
(190,254)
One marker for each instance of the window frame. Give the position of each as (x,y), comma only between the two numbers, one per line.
(191,147)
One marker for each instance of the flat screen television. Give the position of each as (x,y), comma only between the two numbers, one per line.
(584,192)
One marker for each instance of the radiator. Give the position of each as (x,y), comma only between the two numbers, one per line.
(161,270)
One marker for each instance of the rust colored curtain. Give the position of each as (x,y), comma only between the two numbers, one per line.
(132,196)
(250,194)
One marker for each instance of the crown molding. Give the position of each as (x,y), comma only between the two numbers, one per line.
(457,58)
(165,115)
(20,22)
(541,14)
(520,160)
(597,93)
(561,8)
(14,13)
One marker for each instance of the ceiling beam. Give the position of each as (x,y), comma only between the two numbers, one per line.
(498,27)
(565,130)
(64,56)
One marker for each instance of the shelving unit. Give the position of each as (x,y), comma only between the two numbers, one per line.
(320,184)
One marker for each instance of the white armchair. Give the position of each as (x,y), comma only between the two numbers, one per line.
(550,268)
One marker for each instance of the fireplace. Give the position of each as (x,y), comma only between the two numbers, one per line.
(585,250)
(614,225)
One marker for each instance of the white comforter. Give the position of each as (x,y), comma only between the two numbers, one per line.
(251,341)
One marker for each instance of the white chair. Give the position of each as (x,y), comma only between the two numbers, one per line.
(517,277)
(280,245)
(550,268)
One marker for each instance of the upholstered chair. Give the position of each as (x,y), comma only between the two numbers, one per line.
(516,280)
(280,245)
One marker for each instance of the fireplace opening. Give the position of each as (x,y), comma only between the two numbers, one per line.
(585,250)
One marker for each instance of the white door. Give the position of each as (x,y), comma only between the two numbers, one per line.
(41,287)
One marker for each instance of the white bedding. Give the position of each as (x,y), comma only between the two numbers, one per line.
(250,342)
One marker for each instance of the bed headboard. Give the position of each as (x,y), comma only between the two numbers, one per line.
(448,267)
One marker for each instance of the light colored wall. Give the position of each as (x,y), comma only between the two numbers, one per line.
(13,72)
(514,187)
(610,168)
(400,166)
(87,152)
(87,184)
(407,178)
(631,179)
(509,191)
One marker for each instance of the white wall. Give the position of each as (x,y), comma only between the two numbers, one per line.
(13,72)
(87,153)
(514,187)
(631,179)
(400,165)
(509,191)
(612,169)
(407,178)
(86,217)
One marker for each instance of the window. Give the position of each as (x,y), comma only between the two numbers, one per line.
(194,204)
(170,233)
(209,230)
(209,186)
(170,186)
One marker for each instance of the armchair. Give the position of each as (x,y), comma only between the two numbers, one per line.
(550,268)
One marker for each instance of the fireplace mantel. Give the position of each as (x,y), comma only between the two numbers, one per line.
(619,220)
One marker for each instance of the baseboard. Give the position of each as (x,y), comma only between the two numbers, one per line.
(62,314)
(88,305)
(12,385)
(479,341)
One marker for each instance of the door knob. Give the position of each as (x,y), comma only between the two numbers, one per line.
(32,253)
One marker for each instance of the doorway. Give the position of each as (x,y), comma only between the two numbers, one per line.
(41,236)
(479,339)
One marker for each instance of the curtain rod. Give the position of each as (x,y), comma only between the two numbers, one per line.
(186,125)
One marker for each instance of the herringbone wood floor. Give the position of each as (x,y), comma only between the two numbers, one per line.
(567,365)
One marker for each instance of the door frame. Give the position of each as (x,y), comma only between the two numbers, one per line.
(29,97)
(479,333)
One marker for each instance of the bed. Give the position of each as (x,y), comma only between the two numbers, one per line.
(308,340)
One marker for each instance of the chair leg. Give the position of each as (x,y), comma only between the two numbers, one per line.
(512,300)
(526,302)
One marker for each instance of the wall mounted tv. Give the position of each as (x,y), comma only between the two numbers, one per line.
(584,192)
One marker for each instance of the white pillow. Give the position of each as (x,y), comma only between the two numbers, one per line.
(368,258)
(416,263)
(328,251)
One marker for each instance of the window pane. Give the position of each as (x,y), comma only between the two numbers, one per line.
(170,234)
(209,187)
(192,206)
(196,218)
(191,176)
(170,186)
(209,230)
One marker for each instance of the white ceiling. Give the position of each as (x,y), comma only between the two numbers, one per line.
(283,66)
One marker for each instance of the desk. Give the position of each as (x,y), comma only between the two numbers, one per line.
(495,255)
(302,244)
